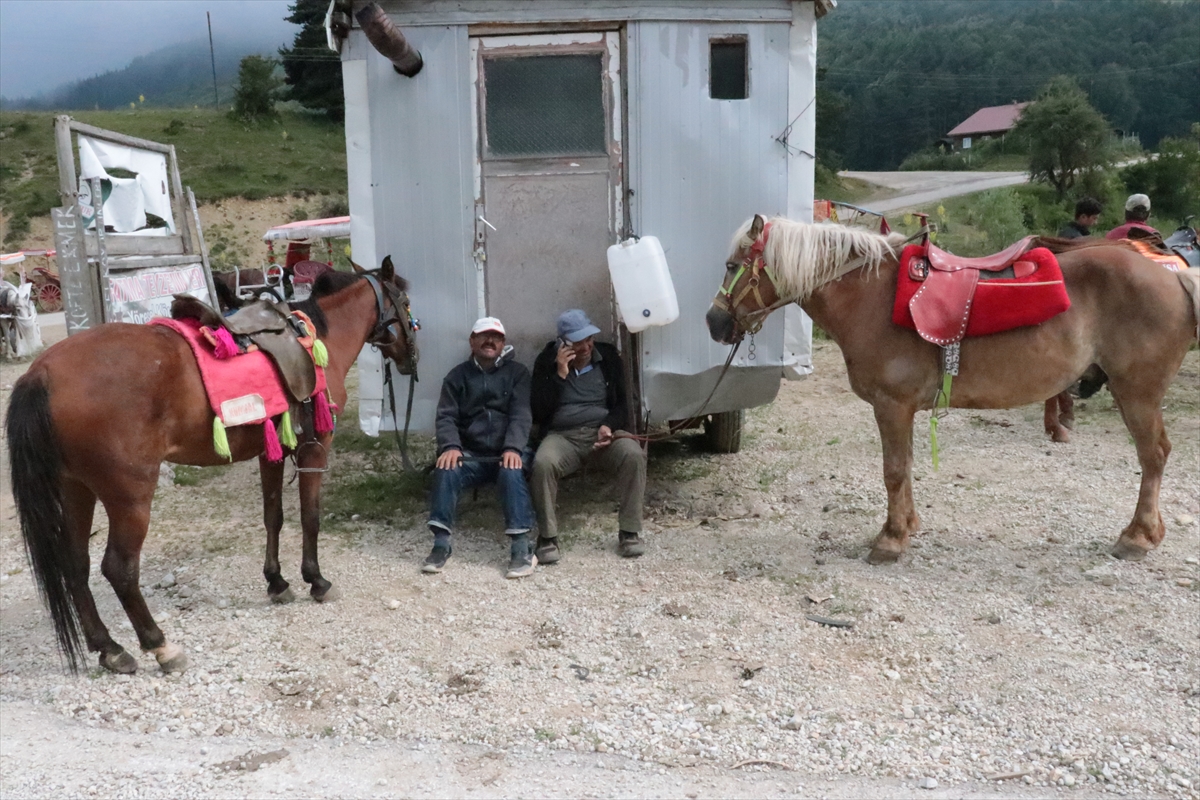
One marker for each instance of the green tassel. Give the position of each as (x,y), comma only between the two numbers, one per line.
(220,440)
(319,354)
(942,404)
(287,436)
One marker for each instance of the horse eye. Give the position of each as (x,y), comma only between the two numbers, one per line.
(730,265)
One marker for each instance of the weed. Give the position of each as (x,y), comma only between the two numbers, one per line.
(545,735)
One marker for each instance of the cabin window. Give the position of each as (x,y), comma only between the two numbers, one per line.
(544,105)
(728,68)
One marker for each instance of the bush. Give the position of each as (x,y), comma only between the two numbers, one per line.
(257,89)
(1000,214)
(1171,180)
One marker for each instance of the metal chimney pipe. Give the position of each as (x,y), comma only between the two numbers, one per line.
(385,37)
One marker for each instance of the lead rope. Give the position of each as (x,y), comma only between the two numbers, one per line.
(401,442)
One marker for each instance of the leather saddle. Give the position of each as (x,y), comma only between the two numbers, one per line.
(942,306)
(1183,243)
(270,326)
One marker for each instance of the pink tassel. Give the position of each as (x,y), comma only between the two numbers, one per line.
(322,417)
(226,347)
(271,440)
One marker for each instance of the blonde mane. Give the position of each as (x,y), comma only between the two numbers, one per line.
(802,256)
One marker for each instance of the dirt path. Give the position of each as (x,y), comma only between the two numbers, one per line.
(913,189)
(1007,655)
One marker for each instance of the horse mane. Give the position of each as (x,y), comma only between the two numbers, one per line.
(1058,245)
(330,283)
(803,256)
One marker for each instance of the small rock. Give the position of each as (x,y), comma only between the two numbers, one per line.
(1191,560)
(1184,519)
(167,581)
(355,517)
(928,783)
(162,616)
(223,602)
(1069,780)
(1102,575)
(793,724)
(602,748)
(186,592)
(393,604)
(1184,582)
(891,674)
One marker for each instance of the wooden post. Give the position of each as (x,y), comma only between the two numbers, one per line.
(208,278)
(68,185)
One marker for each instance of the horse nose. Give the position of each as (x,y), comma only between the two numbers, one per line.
(720,325)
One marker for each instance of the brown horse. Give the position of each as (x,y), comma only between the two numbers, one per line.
(96,415)
(1128,315)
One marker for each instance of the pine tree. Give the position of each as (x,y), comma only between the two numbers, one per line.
(254,97)
(312,72)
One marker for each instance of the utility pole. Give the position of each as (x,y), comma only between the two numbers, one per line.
(213,57)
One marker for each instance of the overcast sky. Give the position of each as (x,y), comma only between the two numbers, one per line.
(45,43)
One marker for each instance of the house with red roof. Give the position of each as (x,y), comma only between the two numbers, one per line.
(986,123)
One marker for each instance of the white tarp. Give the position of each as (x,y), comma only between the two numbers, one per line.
(131,199)
(24,335)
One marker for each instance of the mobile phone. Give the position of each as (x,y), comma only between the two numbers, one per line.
(563,342)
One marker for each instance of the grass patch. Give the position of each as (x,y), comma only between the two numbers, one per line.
(194,476)
(297,154)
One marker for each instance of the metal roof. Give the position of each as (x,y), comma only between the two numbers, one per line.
(304,230)
(993,119)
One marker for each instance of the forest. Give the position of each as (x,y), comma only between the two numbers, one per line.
(895,75)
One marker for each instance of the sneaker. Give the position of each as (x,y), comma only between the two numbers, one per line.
(521,566)
(436,560)
(630,545)
(547,551)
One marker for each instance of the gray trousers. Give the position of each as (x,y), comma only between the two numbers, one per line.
(563,452)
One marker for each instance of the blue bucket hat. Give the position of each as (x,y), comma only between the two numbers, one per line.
(574,325)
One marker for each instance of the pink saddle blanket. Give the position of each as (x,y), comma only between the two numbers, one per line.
(241,390)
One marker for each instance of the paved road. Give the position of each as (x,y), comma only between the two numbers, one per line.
(921,188)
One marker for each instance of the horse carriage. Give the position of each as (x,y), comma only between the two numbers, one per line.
(293,279)
(47,289)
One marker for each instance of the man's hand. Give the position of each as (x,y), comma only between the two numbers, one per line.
(604,437)
(449,459)
(566,354)
(510,460)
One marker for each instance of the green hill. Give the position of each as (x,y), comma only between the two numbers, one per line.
(896,75)
(300,154)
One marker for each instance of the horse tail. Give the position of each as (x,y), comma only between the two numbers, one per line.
(35,466)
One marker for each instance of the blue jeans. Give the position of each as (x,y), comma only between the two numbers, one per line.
(511,490)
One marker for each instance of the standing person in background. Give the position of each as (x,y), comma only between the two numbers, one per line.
(482,427)
(1087,213)
(578,396)
(1137,211)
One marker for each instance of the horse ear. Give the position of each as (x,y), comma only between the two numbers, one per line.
(356,267)
(756,227)
(386,270)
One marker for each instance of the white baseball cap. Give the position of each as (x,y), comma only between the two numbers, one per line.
(488,324)
(1136,201)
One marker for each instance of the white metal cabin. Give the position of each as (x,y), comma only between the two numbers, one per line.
(538,133)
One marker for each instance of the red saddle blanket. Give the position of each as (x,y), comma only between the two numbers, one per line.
(1035,294)
(241,390)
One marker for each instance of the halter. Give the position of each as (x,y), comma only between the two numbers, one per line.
(754,262)
(382,334)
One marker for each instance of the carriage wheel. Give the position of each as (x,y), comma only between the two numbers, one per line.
(723,432)
(50,298)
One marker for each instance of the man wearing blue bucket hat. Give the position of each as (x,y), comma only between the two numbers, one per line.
(578,400)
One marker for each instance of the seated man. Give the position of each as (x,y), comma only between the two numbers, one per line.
(578,400)
(482,426)
(1087,213)
(1137,211)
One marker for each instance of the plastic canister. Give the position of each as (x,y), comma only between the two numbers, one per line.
(642,283)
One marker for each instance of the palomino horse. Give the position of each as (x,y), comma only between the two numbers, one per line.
(1128,315)
(95,416)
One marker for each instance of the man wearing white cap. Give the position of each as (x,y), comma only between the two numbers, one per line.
(483,423)
(1137,211)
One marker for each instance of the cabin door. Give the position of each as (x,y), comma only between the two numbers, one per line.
(548,191)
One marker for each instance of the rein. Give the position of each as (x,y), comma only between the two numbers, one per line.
(382,336)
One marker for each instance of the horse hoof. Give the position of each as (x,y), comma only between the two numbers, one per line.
(883,555)
(323,592)
(171,658)
(286,596)
(1061,435)
(1127,551)
(121,662)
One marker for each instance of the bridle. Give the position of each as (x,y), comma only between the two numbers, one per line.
(755,266)
(386,317)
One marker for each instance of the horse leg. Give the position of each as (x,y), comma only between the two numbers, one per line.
(1143,418)
(895,430)
(271,476)
(128,522)
(1066,410)
(1055,423)
(312,457)
(79,507)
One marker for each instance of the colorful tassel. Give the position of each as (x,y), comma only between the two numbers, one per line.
(220,439)
(271,442)
(288,434)
(320,355)
(226,347)
(322,417)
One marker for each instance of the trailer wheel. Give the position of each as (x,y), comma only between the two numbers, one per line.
(723,432)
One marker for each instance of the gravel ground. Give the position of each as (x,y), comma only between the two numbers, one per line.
(1006,656)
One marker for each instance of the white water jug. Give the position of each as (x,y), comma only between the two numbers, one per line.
(642,283)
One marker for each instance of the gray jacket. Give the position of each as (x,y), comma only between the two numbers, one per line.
(484,413)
